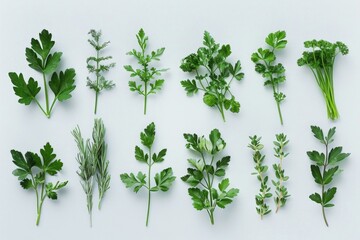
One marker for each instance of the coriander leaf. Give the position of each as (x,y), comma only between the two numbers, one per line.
(164,180)
(160,157)
(63,84)
(140,156)
(52,62)
(190,86)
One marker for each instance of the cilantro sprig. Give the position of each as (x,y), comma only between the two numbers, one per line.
(148,75)
(41,59)
(213,75)
(163,179)
(96,65)
(32,171)
(272,72)
(261,174)
(325,167)
(320,59)
(93,163)
(206,172)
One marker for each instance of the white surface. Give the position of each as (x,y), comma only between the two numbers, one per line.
(178,26)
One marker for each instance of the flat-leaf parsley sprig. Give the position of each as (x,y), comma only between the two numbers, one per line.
(206,172)
(148,75)
(272,72)
(213,75)
(325,167)
(32,172)
(163,179)
(41,59)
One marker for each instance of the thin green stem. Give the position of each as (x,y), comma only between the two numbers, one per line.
(96,101)
(323,185)
(149,189)
(46,96)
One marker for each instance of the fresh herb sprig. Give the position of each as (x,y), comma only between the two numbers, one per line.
(32,172)
(272,72)
(93,164)
(96,66)
(204,173)
(163,180)
(323,175)
(147,74)
(280,190)
(41,59)
(261,174)
(213,75)
(320,59)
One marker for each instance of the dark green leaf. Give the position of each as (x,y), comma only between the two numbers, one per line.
(26,91)
(63,84)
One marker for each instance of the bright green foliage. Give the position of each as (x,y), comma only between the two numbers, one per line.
(41,59)
(204,173)
(272,72)
(163,179)
(320,171)
(93,165)
(261,169)
(96,66)
(281,191)
(320,59)
(32,172)
(213,75)
(148,75)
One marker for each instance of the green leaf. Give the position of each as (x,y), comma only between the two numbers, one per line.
(336,155)
(329,174)
(233,192)
(148,136)
(164,180)
(224,184)
(315,170)
(160,157)
(20,173)
(26,183)
(318,133)
(63,84)
(19,160)
(51,166)
(46,44)
(131,181)
(26,91)
(223,163)
(330,135)
(329,195)
(52,62)
(33,60)
(190,86)
(223,202)
(198,198)
(140,156)
(210,100)
(317,157)
(316,198)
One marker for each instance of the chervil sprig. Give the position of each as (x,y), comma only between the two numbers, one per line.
(320,59)
(272,72)
(163,179)
(148,75)
(281,191)
(32,172)
(41,59)
(261,174)
(96,66)
(323,175)
(213,75)
(206,171)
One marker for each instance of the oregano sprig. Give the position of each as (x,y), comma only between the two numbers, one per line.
(163,179)
(261,174)
(96,66)
(272,72)
(325,167)
(206,172)
(32,172)
(281,191)
(41,59)
(93,163)
(213,75)
(147,74)
(320,59)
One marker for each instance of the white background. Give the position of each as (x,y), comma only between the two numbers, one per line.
(178,26)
